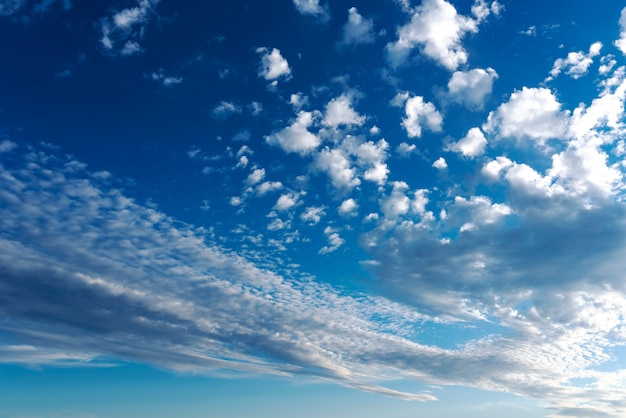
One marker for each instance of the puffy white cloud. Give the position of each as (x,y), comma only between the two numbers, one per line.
(621,42)
(437,29)
(348,207)
(334,241)
(313,214)
(470,88)
(122,31)
(440,164)
(296,137)
(357,30)
(532,113)
(338,167)
(471,145)
(256,176)
(268,186)
(418,113)
(286,202)
(273,66)
(577,63)
(312,7)
(481,9)
(339,112)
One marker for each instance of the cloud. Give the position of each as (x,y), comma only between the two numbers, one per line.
(357,30)
(338,167)
(121,32)
(312,8)
(471,145)
(437,29)
(8,7)
(470,88)
(418,113)
(273,66)
(117,279)
(348,207)
(224,109)
(296,137)
(621,42)
(286,202)
(577,63)
(339,112)
(313,214)
(166,80)
(531,113)
(440,164)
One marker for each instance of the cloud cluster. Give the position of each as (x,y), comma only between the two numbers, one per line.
(122,32)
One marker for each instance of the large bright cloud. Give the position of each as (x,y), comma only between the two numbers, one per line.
(273,65)
(437,29)
(296,137)
(470,88)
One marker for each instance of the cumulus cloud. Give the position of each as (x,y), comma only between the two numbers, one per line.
(357,30)
(334,241)
(312,8)
(440,164)
(471,145)
(418,113)
(336,164)
(313,214)
(576,64)
(339,112)
(273,66)
(437,29)
(348,207)
(121,32)
(470,88)
(532,113)
(296,137)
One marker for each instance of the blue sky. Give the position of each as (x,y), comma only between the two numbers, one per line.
(312,208)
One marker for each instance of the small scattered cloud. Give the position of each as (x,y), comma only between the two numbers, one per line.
(313,214)
(296,137)
(419,113)
(121,32)
(576,64)
(357,30)
(312,8)
(470,88)
(225,109)
(440,164)
(273,66)
(471,145)
(348,208)
(339,112)
(334,240)
(621,42)
(166,80)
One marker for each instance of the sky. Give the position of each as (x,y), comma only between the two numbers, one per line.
(312,208)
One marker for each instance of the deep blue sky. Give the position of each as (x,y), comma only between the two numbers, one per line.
(309,208)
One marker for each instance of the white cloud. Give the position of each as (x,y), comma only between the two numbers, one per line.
(298,100)
(273,65)
(166,80)
(313,8)
(334,241)
(225,109)
(256,176)
(286,202)
(531,113)
(437,29)
(621,42)
(268,186)
(313,214)
(577,63)
(357,30)
(405,150)
(470,88)
(471,145)
(481,9)
(418,113)
(440,164)
(335,163)
(296,138)
(348,207)
(121,32)
(339,112)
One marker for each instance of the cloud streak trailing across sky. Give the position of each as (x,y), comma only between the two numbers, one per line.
(323,218)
